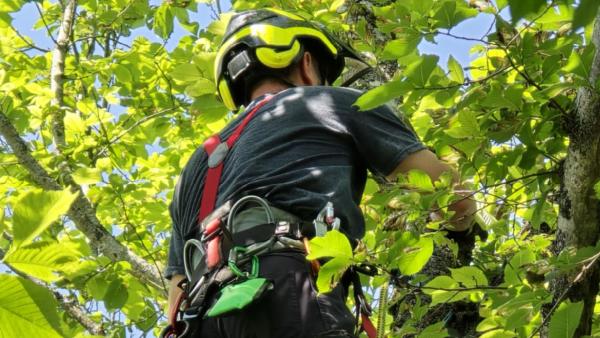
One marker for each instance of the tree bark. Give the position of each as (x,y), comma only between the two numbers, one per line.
(579,217)
(57,72)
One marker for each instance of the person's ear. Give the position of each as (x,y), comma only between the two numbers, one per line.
(308,70)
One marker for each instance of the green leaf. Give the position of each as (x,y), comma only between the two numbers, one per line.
(499,334)
(464,125)
(585,13)
(404,44)
(36,211)
(186,72)
(97,287)
(437,330)
(208,109)
(11,5)
(597,189)
(422,122)
(382,94)
(419,71)
(469,276)
(452,12)
(520,9)
(438,289)
(490,323)
(86,175)
(333,244)
(413,257)
(42,259)
(526,300)
(163,21)
(518,318)
(522,257)
(565,320)
(456,72)
(116,295)
(420,180)
(200,87)
(26,309)
(330,273)
(122,73)
(579,63)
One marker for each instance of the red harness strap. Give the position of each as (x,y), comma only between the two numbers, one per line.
(368,326)
(217,151)
(213,176)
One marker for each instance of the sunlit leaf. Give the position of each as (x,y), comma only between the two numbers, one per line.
(456,71)
(36,211)
(413,256)
(42,259)
(333,244)
(565,320)
(26,309)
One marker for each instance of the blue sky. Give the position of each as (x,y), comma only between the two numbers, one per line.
(25,19)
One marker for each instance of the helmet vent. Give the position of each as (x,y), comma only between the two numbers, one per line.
(238,64)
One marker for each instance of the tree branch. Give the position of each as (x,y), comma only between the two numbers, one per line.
(81,212)
(70,305)
(579,211)
(133,126)
(57,72)
(37,6)
(27,42)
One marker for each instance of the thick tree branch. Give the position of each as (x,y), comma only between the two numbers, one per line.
(70,305)
(581,165)
(579,216)
(57,72)
(81,212)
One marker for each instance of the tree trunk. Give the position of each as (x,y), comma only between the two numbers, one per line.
(579,218)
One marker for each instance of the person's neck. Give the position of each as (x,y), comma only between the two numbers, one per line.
(271,87)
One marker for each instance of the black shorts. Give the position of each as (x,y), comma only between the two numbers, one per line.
(292,309)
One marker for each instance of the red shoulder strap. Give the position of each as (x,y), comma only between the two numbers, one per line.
(212,179)
(217,151)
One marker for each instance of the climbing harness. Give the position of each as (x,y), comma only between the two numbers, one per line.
(221,268)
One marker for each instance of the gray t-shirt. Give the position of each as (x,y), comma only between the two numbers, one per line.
(305,147)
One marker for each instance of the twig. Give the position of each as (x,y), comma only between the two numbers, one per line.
(467,82)
(31,45)
(530,23)
(132,226)
(530,81)
(44,21)
(489,28)
(458,37)
(562,297)
(136,124)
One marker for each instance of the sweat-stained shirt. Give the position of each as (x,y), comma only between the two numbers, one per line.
(305,147)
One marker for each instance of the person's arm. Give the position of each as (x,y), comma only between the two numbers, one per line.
(174,290)
(464,208)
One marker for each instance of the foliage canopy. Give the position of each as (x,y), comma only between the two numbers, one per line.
(84,219)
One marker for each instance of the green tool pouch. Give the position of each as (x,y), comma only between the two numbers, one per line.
(245,289)
(237,296)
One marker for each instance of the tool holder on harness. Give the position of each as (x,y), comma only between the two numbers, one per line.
(247,289)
